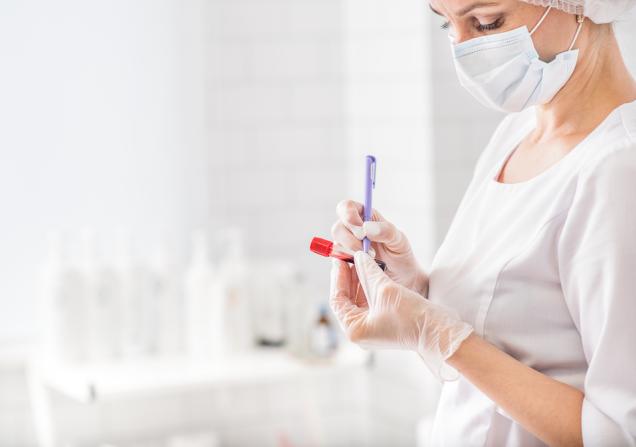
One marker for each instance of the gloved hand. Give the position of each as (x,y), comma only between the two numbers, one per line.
(387,242)
(390,315)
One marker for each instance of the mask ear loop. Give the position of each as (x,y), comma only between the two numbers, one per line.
(545,14)
(580,19)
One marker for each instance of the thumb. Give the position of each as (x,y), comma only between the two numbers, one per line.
(370,275)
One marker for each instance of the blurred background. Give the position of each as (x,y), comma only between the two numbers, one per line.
(164,165)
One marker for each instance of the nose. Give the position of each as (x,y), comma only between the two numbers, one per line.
(458,36)
(457,33)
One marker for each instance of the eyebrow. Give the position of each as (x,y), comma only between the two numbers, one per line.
(467,9)
(435,10)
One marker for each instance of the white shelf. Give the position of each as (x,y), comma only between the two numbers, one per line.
(90,383)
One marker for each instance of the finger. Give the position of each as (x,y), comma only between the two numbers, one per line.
(343,236)
(340,280)
(358,294)
(385,233)
(350,214)
(370,276)
(345,310)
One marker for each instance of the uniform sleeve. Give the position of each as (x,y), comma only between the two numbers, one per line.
(597,265)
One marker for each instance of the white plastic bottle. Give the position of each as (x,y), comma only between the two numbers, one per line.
(50,302)
(202,307)
(300,311)
(232,292)
(108,297)
(101,289)
(98,303)
(131,276)
(165,322)
(63,308)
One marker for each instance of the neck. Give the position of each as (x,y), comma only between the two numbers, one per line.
(600,83)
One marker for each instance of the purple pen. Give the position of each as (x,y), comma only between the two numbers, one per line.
(369,184)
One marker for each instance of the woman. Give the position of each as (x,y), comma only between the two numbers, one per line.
(530,303)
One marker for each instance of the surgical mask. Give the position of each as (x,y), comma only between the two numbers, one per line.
(504,72)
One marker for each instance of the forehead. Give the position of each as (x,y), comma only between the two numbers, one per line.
(458,7)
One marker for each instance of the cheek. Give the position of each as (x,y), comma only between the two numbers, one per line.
(546,53)
(553,39)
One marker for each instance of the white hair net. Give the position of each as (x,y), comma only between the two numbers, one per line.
(598,11)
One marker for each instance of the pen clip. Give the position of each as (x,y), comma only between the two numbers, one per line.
(371,170)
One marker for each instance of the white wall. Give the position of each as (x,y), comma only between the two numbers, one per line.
(278,141)
(389,114)
(161,117)
(626,33)
(102,127)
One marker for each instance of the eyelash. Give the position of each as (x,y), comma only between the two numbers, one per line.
(490,26)
(487,27)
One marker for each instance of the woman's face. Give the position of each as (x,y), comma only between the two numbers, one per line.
(467,19)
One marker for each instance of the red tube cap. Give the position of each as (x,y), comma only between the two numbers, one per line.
(320,246)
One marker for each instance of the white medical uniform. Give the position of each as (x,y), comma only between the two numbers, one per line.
(546,270)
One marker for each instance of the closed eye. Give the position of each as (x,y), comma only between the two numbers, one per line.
(490,26)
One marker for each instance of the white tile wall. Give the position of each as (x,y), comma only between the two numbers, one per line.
(278,142)
(388,112)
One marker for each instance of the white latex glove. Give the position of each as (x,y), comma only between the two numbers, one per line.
(390,315)
(387,244)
